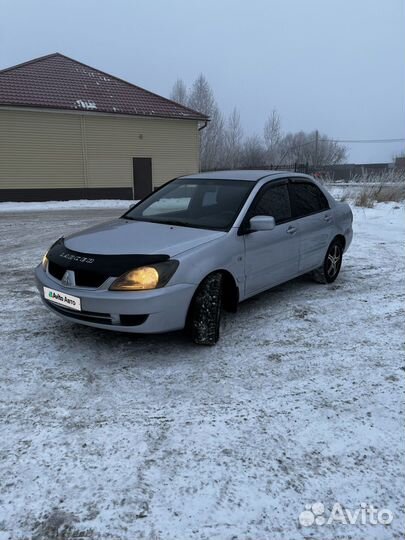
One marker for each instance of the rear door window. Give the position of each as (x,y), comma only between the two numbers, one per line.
(306,198)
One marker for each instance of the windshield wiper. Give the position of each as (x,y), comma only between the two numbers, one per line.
(171,222)
(175,222)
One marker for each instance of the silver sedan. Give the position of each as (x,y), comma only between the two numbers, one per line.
(199,244)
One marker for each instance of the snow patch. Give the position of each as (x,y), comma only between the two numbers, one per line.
(63,205)
(87,105)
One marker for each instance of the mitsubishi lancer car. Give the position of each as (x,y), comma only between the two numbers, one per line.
(195,247)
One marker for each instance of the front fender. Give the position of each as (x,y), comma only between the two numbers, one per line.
(225,253)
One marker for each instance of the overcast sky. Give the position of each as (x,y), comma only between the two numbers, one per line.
(333,65)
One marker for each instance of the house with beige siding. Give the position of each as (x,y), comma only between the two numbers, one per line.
(70,131)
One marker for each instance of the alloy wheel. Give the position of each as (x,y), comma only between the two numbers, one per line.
(334,260)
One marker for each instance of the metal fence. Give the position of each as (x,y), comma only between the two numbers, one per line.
(344,171)
(296,167)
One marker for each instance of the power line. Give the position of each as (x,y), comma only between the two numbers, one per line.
(363,140)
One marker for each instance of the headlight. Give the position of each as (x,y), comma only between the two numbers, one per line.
(45,261)
(146,277)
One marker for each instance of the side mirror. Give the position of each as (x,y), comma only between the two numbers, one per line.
(262,223)
(131,206)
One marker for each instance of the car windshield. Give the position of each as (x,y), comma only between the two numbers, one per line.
(206,204)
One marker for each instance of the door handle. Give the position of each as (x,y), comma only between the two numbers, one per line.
(292,230)
(327,218)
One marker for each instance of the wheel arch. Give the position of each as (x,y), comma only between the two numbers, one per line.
(341,239)
(231,292)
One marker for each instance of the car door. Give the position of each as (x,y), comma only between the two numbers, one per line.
(314,218)
(271,257)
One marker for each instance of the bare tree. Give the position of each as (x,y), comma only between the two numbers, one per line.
(253,152)
(304,147)
(179,92)
(202,99)
(233,136)
(330,152)
(272,137)
(222,145)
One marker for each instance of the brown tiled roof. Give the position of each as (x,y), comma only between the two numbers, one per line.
(58,82)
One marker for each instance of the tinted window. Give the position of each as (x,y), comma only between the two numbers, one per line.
(177,199)
(201,203)
(306,199)
(274,201)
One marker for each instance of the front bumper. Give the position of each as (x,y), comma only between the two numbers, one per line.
(154,311)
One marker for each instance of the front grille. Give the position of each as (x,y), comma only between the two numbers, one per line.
(90,316)
(100,318)
(83,278)
(55,270)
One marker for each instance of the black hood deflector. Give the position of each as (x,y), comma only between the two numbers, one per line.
(110,265)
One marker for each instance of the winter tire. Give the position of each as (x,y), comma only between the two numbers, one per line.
(206,310)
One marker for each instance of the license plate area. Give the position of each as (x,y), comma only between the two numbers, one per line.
(62,299)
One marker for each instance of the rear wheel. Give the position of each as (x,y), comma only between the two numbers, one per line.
(205,314)
(330,269)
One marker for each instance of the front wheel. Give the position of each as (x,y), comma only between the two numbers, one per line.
(330,269)
(205,314)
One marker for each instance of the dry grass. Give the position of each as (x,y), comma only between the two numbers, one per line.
(365,198)
(391,193)
(372,189)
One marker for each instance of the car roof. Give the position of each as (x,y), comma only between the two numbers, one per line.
(250,175)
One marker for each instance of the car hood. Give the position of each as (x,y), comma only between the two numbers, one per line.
(124,237)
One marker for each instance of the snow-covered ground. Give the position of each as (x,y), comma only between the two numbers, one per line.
(79,204)
(112,436)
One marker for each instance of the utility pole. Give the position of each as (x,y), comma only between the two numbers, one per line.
(316,148)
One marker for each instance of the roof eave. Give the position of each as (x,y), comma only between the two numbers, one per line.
(47,108)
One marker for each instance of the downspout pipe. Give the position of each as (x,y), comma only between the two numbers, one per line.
(200,129)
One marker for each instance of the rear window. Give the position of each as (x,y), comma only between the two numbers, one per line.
(306,199)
